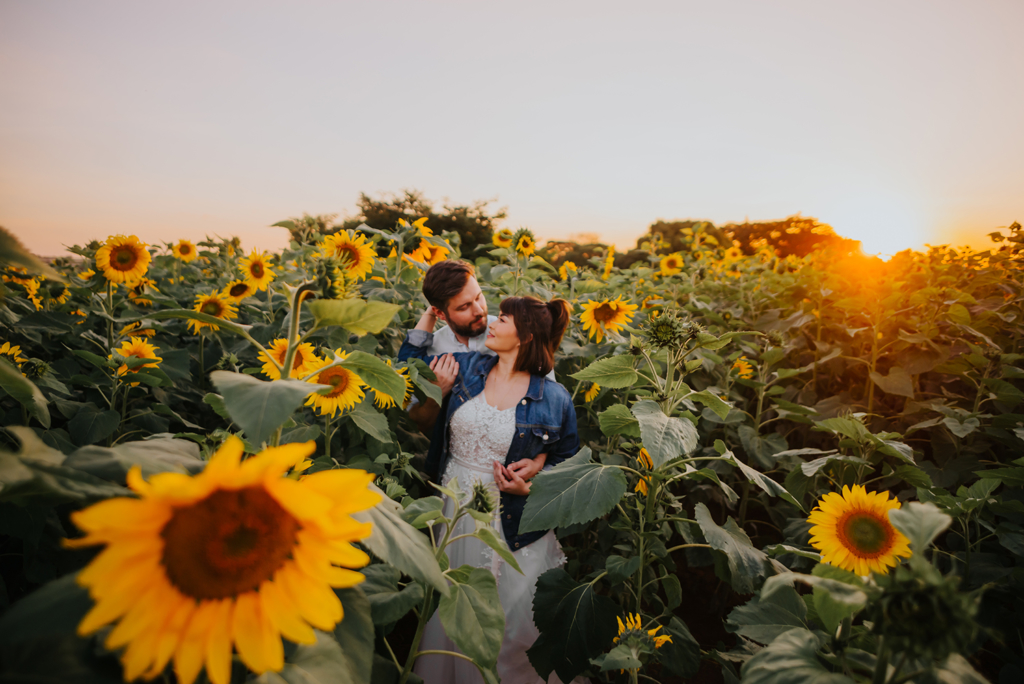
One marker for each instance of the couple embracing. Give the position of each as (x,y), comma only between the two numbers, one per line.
(503,419)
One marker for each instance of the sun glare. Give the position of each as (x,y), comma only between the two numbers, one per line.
(884,224)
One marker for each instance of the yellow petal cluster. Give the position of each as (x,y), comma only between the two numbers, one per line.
(238,556)
(853,532)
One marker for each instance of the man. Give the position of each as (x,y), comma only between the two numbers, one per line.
(455,297)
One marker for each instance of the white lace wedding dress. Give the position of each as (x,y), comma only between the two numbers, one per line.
(480,435)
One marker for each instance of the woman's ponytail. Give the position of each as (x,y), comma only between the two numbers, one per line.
(559,310)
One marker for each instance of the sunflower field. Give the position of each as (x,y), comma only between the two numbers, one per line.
(793,469)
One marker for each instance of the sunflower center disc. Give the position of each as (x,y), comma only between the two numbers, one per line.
(337,379)
(604,313)
(228,543)
(124,259)
(210,308)
(866,534)
(238,290)
(256,270)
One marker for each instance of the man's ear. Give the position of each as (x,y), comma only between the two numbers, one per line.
(439,314)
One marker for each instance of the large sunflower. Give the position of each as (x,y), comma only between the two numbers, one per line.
(256,271)
(853,531)
(237,290)
(123,259)
(237,555)
(353,249)
(185,250)
(304,356)
(503,238)
(600,317)
(671,264)
(347,387)
(140,349)
(214,304)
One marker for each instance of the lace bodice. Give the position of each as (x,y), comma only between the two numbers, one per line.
(480,433)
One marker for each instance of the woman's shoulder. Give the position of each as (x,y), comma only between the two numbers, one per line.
(556,391)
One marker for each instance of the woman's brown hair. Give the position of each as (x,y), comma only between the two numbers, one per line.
(540,328)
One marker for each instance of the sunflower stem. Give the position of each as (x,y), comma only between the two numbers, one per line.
(881,663)
(110,321)
(327,434)
(293,333)
(428,597)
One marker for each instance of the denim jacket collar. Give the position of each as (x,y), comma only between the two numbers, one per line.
(535,392)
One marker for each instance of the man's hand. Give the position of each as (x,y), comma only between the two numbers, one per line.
(446,368)
(528,467)
(509,481)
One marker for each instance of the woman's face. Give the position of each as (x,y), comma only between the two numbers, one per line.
(502,335)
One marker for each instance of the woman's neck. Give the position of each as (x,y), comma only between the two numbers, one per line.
(505,368)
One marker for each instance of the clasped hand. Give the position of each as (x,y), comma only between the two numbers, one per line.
(513,479)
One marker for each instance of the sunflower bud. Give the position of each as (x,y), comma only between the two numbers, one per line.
(668,331)
(483,500)
(922,613)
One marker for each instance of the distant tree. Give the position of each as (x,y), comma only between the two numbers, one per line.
(474,222)
(557,252)
(797,235)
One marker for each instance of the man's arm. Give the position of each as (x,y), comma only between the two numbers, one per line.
(424,414)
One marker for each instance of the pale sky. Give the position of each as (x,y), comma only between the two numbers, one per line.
(899,123)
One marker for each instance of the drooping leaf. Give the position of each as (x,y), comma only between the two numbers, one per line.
(664,437)
(388,603)
(763,482)
(152,456)
(259,407)
(472,615)
(620,569)
(575,491)
(615,372)
(90,425)
(791,659)
(681,656)
(619,658)
(811,468)
(921,523)
(712,401)
(13,252)
(371,421)
(375,373)
(191,315)
(421,512)
(761,448)
(746,563)
(37,474)
(764,619)
(396,542)
(359,316)
(23,389)
(834,597)
(617,420)
(898,381)
(575,623)
(488,536)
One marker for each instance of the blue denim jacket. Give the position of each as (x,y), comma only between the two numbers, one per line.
(545,423)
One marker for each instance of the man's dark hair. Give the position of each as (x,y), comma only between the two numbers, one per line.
(540,328)
(444,280)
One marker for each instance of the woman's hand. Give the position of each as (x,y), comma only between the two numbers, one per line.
(528,467)
(446,368)
(510,481)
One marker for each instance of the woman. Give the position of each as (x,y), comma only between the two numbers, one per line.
(504,421)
